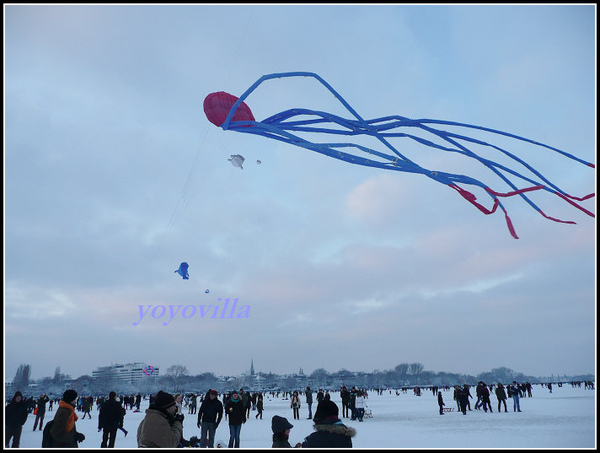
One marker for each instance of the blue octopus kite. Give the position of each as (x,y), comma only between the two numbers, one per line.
(231,113)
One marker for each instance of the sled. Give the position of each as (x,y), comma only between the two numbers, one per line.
(368,413)
(448,409)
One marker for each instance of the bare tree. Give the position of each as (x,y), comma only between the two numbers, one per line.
(415,370)
(21,380)
(177,375)
(319,376)
(402,369)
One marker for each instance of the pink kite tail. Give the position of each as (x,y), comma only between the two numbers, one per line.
(555,219)
(509,224)
(516,192)
(581,208)
(471,199)
(591,195)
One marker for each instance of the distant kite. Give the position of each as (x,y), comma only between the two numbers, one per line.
(148,370)
(237,160)
(183,271)
(231,113)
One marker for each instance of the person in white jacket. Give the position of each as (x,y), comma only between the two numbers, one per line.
(359,404)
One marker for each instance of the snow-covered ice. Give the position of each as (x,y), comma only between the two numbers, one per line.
(565,418)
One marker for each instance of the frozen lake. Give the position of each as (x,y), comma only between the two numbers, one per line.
(565,418)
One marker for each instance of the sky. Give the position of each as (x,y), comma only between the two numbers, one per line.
(113,176)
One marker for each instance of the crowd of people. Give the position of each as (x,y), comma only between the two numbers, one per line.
(162,425)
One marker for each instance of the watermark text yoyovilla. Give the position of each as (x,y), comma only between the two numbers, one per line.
(226,311)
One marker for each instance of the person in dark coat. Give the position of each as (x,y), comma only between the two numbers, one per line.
(260,405)
(467,389)
(64,432)
(281,432)
(501,395)
(41,411)
(330,432)
(15,416)
(463,399)
(345,395)
(440,402)
(110,419)
(485,398)
(236,413)
(210,415)
(86,406)
(309,401)
(455,396)
(320,396)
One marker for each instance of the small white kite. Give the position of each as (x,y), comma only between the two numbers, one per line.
(237,160)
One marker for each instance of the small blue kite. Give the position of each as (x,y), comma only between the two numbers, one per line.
(183,271)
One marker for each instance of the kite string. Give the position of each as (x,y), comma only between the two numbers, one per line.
(237,53)
(182,202)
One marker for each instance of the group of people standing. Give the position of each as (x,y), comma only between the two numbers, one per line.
(483,392)
(61,431)
(163,424)
(353,403)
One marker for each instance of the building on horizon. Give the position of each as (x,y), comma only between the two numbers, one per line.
(127,372)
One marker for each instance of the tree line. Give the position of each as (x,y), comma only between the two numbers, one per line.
(178,379)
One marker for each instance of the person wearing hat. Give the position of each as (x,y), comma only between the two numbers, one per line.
(15,416)
(210,415)
(236,414)
(281,432)
(330,432)
(63,431)
(161,427)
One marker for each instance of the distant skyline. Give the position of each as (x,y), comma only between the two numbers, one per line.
(113,176)
(299,370)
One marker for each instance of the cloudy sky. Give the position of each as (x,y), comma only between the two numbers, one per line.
(113,176)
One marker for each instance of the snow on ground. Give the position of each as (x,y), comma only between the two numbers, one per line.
(565,418)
